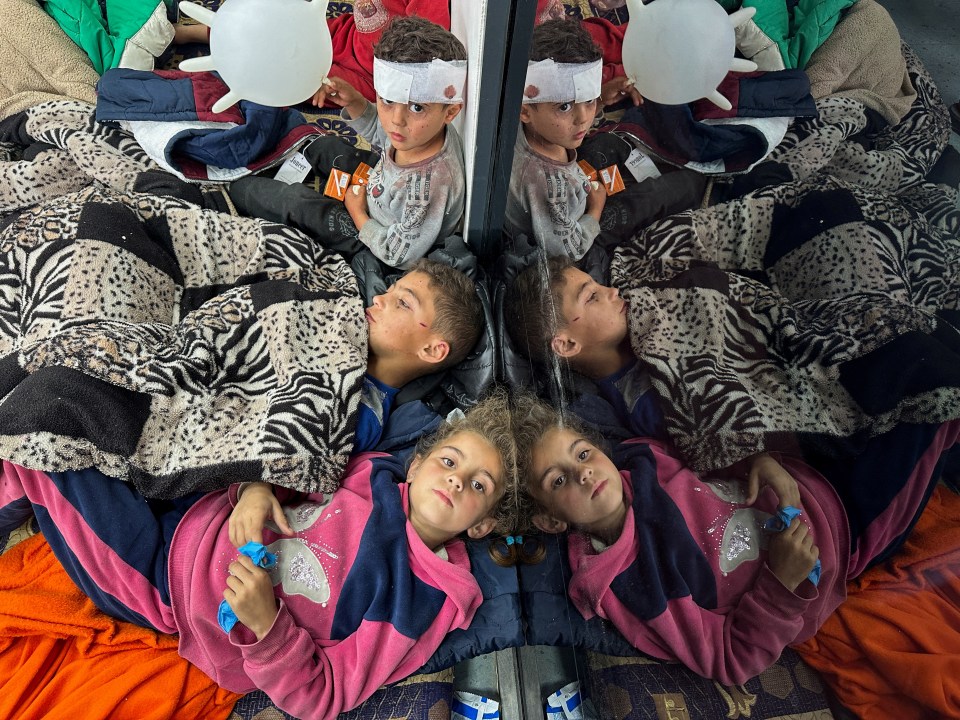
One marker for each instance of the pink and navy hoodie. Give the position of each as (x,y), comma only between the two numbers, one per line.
(687,579)
(362,600)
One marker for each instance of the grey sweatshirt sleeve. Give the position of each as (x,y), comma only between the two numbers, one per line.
(367,126)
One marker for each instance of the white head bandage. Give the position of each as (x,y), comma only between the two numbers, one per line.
(553,82)
(438,81)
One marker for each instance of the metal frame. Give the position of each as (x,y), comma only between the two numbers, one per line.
(506,47)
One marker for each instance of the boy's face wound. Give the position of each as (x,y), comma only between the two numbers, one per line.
(455,488)
(575,483)
(415,129)
(400,320)
(555,125)
(595,315)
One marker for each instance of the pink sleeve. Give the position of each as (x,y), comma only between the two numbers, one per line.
(731,646)
(307,679)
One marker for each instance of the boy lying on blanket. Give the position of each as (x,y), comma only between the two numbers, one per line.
(749,348)
(334,594)
(415,192)
(564,312)
(428,320)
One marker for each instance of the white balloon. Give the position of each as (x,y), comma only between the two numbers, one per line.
(271,52)
(678,51)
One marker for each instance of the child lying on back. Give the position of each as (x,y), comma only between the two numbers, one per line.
(706,571)
(367,582)
(551,200)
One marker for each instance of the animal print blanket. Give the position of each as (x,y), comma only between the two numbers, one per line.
(171,345)
(813,313)
(843,142)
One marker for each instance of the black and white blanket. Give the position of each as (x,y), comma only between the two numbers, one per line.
(844,143)
(171,345)
(817,310)
(808,312)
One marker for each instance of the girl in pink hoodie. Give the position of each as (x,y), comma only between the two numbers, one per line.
(719,572)
(366,581)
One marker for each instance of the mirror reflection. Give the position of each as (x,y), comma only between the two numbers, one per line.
(357,403)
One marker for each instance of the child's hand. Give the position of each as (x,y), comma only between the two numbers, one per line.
(256,505)
(596,199)
(792,554)
(765,471)
(192,33)
(617,89)
(249,593)
(339,92)
(355,201)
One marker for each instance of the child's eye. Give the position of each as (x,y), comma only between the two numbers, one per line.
(385,101)
(417,108)
(448,462)
(478,486)
(403,303)
(565,107)
(583,455)
(558,481)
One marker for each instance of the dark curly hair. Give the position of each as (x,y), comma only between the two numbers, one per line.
(413,39)
(563,41)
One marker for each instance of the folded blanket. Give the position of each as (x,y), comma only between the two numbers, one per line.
(804,314)
(844,142)
(892,650)
(39,61)
(61,658)
(170,114)
(178,348)
(862,60)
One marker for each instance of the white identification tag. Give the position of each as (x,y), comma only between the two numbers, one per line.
(294,169)
(641,166)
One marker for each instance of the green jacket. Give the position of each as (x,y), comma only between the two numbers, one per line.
(131,33)
(797,31)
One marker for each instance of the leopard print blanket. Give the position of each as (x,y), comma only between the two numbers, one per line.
(895,159)
(806,315)
(167,344)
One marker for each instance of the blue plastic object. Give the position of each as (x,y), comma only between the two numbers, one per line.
(780,522)
(226,617)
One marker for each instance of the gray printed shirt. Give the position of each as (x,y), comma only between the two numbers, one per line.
(413,206)
(547,202)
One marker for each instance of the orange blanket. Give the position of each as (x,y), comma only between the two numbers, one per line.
(892,650)
(61,658)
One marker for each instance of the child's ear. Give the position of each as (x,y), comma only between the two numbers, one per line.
(482,528)
(435,352)
(452,111)
(525,113)
(414,466)
(548,523)
(564,345)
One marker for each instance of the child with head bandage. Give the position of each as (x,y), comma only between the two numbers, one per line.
(550,199)
(415,192)
(559,200)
